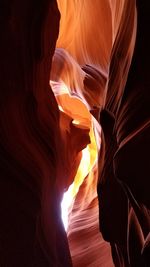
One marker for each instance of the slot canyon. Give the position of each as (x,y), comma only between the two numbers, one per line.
(74,133)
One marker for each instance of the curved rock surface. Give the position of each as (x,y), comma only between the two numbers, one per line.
(74,111)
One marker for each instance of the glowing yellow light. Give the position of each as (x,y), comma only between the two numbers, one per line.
(89,157)
(76,122)
(76,109)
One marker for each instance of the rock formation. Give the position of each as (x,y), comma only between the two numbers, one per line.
(74,114)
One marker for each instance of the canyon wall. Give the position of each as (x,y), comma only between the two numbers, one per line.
(74,108)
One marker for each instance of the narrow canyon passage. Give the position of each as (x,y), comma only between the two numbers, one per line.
(81,214)
(74,65)
(74,133)
(80,70)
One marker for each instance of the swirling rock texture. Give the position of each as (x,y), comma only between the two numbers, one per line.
(74,108)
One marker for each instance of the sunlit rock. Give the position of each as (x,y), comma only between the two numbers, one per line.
(74,133)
